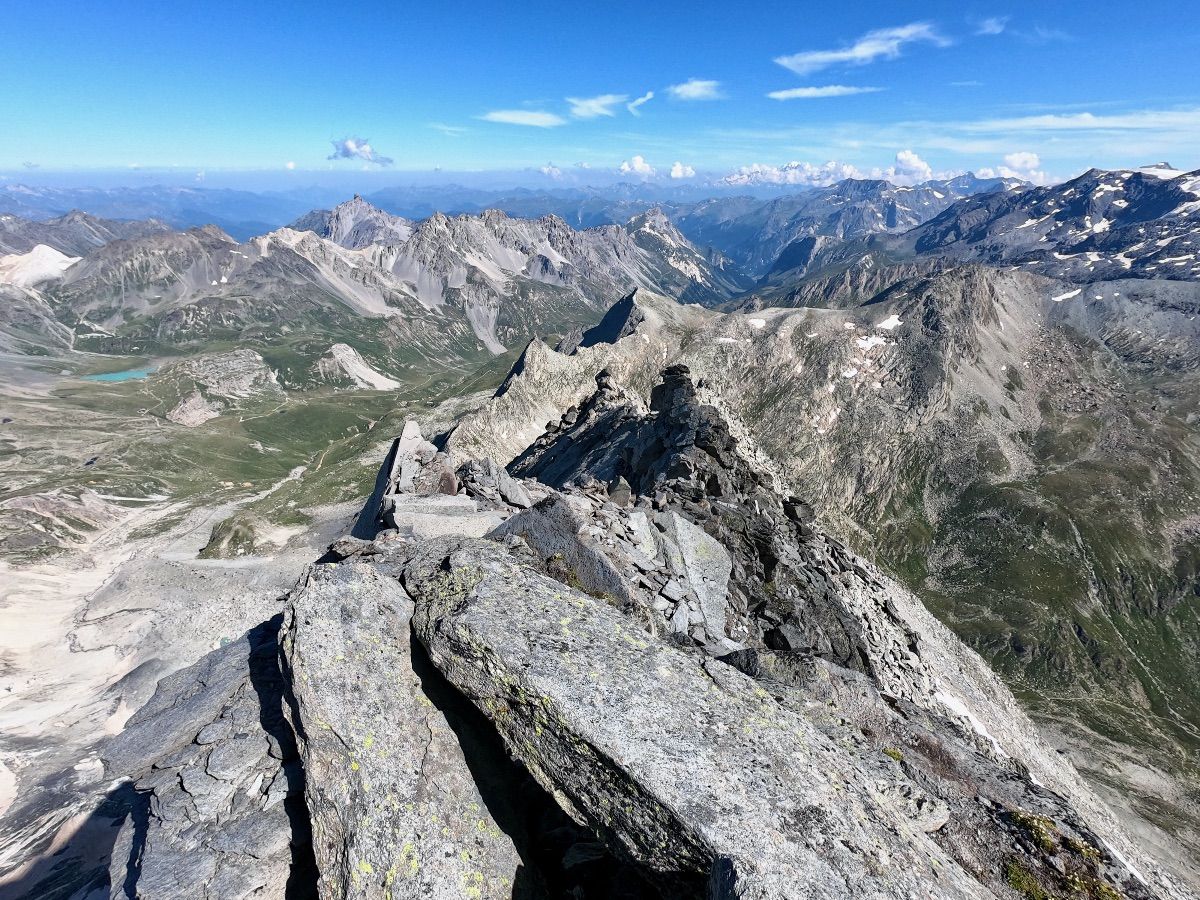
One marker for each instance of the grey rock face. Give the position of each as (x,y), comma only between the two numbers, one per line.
(394,805)
(74,233)
(757,233)
(702,563)
(719,785)
(219,785)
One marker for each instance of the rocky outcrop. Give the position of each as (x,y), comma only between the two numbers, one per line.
(219,809)
(236,375)
(394,805)
(687,766)
(344,366)
(702,694)
(194,409)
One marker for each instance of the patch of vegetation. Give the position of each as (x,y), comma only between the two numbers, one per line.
(1024,882)
(1040,830)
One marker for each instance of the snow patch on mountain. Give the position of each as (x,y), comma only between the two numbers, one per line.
(39,265)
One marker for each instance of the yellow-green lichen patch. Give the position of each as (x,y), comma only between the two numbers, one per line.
(1039,829)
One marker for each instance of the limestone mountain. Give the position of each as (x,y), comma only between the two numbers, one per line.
(355,224)
(446,287)
(73,234)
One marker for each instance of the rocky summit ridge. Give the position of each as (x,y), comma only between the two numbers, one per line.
(630,663)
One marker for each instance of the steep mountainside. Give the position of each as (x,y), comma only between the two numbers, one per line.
(755,233)
(1130,223)
(72,234)
(829,585)
(1028,463)
(240,213)
(355,224)
(448,286)
(635,668)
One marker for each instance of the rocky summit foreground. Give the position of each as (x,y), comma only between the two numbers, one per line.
(630,665)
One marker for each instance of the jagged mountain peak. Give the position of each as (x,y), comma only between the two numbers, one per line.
(1104,223)
(356,223)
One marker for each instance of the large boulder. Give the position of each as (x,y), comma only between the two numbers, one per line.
(683,763)
(396,810)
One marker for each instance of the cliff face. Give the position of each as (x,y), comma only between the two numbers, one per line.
(632,665)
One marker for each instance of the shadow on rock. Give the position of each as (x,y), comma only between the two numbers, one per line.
(559,857)
(208,800)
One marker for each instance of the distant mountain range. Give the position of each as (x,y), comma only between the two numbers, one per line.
(441,291)
(483,282)
(987,387)
(245,214)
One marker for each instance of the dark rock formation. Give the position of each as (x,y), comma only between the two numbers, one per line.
(217,772)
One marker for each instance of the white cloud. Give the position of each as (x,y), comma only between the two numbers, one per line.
(696,89)
(829,90)
(357,148)
(1022,165)
(528,117)
(1022,160)
(634,105)
(583,165)
(637,166)
(679,170)
(992,25)
(798,173)
(448,130)
(289,165)
(1039,34)
(1140,120)
(909,169)
(883,43)
(594,107)
(550,170)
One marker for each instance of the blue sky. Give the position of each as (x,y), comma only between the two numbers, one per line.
(1043,89)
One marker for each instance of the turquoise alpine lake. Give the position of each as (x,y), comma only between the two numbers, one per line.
(127,375)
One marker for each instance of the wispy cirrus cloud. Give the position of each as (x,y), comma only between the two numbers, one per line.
(828,90)
(1136,120)
(1040,34)
(991,25)
(448,130)
(358,148)
(696,89)
(883,43)
(528,117)
(595,107)
(634,106)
